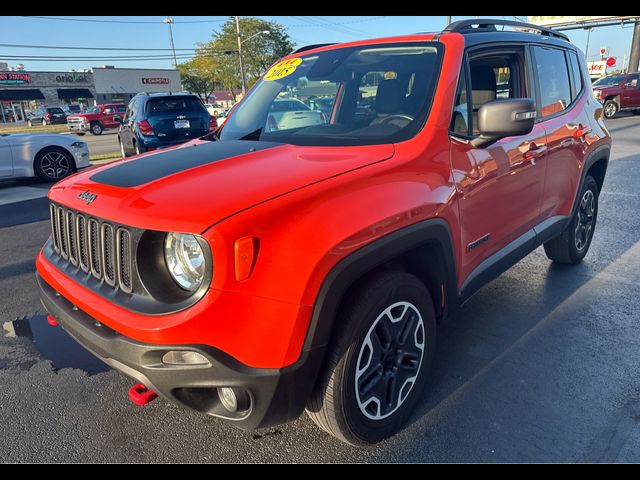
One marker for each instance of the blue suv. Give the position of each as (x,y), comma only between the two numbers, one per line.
(160,120)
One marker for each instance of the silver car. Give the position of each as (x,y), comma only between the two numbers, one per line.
(48,156)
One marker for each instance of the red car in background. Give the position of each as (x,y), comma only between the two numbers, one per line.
(618,92)
(97,119)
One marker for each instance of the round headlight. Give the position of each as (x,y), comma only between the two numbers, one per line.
(185,260)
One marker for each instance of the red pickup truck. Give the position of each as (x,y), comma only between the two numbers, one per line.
(618,92)
(97,119)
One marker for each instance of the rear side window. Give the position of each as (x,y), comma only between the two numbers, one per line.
(553,79)
(121,108)
(577,75)
(173,105)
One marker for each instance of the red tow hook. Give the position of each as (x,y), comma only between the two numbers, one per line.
(52,321)
(141,395)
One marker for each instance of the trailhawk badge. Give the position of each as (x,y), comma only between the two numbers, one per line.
(87,196)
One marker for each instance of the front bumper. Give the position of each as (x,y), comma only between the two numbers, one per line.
(78,127)
(276,395)
(81,156)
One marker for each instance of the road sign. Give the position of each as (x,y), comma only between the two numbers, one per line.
(611,61)
(603,51)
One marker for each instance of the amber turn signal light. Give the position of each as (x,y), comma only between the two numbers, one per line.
(245,253)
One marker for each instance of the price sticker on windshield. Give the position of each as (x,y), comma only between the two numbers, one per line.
(282,69)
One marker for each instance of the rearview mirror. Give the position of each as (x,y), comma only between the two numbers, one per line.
(504,118)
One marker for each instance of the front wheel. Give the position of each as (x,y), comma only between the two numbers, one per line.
(378,364)
(96,129)
(571,246)
(610,109)
(53,164)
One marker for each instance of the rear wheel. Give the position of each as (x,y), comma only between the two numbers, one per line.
(96,128)
(571,246)
(610,108)
(44,122)
(378,364)
(53,164)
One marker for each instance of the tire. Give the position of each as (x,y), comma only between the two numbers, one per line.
(611,108)
(96,128)
(30,123)
(53,164)
(399,301)
(44,122)
(571,246)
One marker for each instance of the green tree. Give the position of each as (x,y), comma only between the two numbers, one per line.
(199,75)
(258,52)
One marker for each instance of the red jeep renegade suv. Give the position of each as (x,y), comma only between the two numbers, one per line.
(299,261)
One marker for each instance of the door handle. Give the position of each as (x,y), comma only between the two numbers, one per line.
(581,131)
(534,152)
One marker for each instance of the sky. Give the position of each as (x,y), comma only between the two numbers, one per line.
(151,32)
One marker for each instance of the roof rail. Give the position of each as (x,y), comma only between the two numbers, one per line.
(489,24)
(311,47)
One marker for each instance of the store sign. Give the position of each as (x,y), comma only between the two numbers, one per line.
(72,77)
(597,68)
(14,78)
(156,81)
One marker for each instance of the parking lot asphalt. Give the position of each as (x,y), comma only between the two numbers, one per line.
(101,144)
(542,365)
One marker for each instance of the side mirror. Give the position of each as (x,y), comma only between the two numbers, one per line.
(117,118)
(504,118)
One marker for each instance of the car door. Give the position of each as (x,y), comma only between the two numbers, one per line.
(631,91)
(561,113)
(499,187)
(126,129)
(108,112)
(6,158)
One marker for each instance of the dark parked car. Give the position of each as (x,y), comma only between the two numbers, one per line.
(46,116)
(160,120)
(71,109)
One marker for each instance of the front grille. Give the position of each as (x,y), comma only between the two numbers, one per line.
(93,245)
(75,120)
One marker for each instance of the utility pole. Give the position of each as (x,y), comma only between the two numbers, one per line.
(634,56)
(448,20)
(169,21)
(586,50)
(242,74)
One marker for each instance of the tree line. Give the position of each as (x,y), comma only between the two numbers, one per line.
(216,64)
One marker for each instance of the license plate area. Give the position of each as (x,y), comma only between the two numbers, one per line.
(182,124)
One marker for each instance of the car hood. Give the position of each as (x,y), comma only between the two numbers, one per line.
(189,189)
(607,88)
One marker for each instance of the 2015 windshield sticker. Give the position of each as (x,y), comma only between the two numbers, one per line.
(282,69)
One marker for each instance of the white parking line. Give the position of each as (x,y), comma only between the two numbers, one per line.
(20,194)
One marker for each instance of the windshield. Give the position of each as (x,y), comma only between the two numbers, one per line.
(349,96)
(610,80)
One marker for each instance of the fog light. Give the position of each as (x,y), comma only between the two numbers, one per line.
(184,357)
(233,399)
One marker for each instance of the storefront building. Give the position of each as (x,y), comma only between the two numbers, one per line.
(119,85)
(21,92)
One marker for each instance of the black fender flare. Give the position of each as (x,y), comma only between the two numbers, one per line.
(343,275)
(600,153)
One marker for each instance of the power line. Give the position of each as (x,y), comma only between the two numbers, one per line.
(139,22)
(13,45)
(329,24)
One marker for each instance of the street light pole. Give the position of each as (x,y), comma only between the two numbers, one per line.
(242,74)
(169,21)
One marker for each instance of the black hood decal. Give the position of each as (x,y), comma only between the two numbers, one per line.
(153,167)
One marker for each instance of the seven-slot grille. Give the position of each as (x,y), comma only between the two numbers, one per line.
(95,246)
